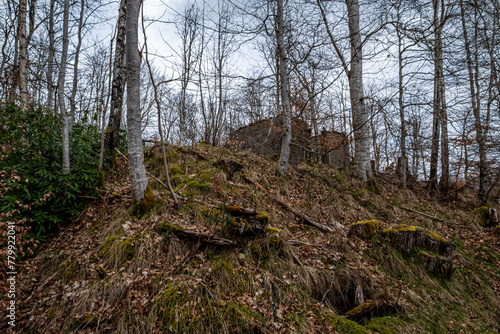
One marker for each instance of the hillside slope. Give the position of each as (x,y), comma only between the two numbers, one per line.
(266,271)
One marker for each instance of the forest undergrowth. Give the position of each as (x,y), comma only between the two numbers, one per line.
(169,270)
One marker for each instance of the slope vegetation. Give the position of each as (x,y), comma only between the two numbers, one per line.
(237,257)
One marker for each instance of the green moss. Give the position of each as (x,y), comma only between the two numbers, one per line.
(264,218)
(366,229)
(274,241)
(174,170)
(388,230)
(186,310)
(342,325)
(204,176)
(408,229)
(163,227)
(128,247)
(107,244)
(384,325)
(140,208)
(358,309)
(88,321)
(484,215)
(120,251)
(436,236)
(71,271)
(271,229)
(197,187)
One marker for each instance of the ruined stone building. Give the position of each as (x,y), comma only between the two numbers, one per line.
(264,137)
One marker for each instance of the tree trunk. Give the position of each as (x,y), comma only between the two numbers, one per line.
(23,47)
(359,113)
(436,110)
(445,155)
(50,60)
(285,101)
(75,68)
(111,141)
(476,108)
(60,91)
(404,157)
(138,176)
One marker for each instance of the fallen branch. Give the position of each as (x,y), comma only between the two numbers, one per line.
(190,234)
(302,216)
(426,215)
(240,210)
(287,206)
(205,237)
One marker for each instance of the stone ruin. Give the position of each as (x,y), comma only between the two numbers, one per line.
(264,137)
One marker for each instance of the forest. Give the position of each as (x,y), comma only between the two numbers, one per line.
(130,202)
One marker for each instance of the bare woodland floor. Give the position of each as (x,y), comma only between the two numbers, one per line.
(111,272)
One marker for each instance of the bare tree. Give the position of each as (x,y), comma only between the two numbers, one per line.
(138,177)
(286,138)
(21,31)
(118,84)
(60,91)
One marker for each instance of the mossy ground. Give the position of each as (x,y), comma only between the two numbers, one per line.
(292,279)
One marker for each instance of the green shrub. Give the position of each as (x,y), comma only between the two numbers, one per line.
(32,150)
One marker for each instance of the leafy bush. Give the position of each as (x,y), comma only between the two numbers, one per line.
(32,150)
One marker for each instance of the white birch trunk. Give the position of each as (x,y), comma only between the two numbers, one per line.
(359,114)
(285,101)
(60,91)
(138,177)
(23,87)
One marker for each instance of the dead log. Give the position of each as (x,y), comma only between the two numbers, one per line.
(302,216)
(163,227)
(426,215)
(287,206)
(239,210)
(367,310)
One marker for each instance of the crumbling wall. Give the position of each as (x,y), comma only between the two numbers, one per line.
(264,137)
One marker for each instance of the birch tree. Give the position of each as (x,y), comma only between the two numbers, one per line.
(286,138)
(23,47)
(60,91)
(138,177)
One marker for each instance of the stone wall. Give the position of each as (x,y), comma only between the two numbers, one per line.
(264,137)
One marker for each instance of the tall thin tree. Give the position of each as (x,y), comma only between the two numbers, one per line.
(138,176)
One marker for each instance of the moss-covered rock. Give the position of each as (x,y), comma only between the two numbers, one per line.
(365,229)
